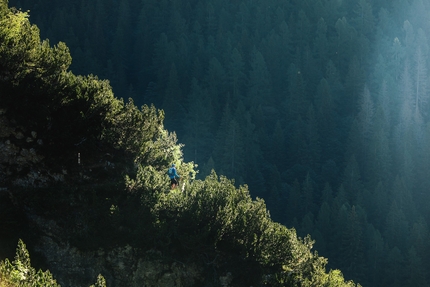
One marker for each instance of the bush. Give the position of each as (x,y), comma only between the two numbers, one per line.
(19,272)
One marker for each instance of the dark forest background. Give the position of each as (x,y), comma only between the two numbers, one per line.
(320,107)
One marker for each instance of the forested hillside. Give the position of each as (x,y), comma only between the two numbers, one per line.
(83,181)
(321,107)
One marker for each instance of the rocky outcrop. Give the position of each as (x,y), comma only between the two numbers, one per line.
(22,166)
(20,161)
(121,266)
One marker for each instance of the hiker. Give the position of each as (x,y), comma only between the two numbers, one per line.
(173,176)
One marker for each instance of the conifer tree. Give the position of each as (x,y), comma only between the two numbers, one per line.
(421,89)
(364,19)
(419,235)
(236,75)
(374,249)
(321,44)
(233,146)
(259,87)
(379,162)
(303,29)
(216,80)
(297,99)
(345,43)
(121,47)
(313,140)
(394,273)
(278,147)
(351,180)
(309,193)
(354,85)
(352,247)
(416,275)
(396,227)
(294,200)
(198,124)
(324,224)
(172,104)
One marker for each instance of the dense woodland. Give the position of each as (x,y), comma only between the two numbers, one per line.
(320,107)
(109,215)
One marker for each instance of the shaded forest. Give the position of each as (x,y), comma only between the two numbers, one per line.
(320,107)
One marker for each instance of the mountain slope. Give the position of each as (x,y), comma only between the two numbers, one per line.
(86,173)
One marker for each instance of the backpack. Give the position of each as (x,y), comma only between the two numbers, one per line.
(171,172)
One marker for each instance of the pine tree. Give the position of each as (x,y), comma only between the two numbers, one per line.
(221,134)
(233,146)
(198,124)
(121,47)
(418,237)
(324,225)
(396,227)
(309,195)
(334,81)
(374,251)
(421,92)
(259,87)
(216,80)
(402,194)
(366,115)
(351,180)
(396,58)
(321,44)
(294,200)
(278,147)
(364,19)
(236,75)
(326,121)
(297,101)
(345,43)
(379,163)
(340,223)
(275,200)
(307,225)
(352,247)
(409,37)
(394,272)
(172,104)
(302,29)
(164,57)
(404,134)
(313,140)
(354,85)
(416,274)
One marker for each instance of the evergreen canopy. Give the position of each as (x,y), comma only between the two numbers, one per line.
(42,100)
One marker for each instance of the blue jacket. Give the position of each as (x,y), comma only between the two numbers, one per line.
(173,174)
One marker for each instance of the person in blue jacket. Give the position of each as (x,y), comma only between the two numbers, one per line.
(173,176)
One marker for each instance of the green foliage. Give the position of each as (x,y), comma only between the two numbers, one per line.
(20,272)
(208,218)
(18,44)
(101,282)
(71,113)
(213,217)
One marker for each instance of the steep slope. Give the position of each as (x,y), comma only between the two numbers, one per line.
(86,173)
